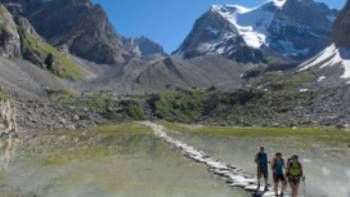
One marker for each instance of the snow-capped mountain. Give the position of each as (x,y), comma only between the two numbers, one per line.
(294,29)
(143,47)
(332,65)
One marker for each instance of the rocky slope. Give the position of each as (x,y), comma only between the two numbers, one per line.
(10,44)
(332,65)
(20,40)
(140,76)
(273,29)
(79,24)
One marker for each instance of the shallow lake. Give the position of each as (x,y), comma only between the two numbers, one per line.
(123,164)
(327,167)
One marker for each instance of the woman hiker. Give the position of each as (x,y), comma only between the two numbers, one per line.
(294,173)
(278,166)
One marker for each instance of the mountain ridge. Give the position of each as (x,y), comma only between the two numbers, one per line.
(263,28)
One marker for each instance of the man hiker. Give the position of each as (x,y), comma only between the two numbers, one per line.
(278,166)
(262,164)
(294,173)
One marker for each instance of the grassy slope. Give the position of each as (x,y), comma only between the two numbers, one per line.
(41,51)
(111,107)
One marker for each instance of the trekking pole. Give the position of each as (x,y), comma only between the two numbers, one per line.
(304,186)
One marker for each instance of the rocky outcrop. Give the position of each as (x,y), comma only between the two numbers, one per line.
(341,28)
(79,24)
(332,65)
(301,29)
(7,114)
(143,47)
(10,45)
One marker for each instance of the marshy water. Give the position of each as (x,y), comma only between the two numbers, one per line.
(129,161)
(106,164)
(326,163)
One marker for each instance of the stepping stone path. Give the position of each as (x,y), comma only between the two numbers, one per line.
(235,177)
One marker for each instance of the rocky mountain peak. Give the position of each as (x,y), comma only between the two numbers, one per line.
(341,28)
(79,24)
(10,43)
(212,34)
(274,29)
(143,47)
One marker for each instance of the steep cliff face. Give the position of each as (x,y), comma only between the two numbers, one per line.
(10,44)
(341,28)
(78,24)
(332,65)
(7,113)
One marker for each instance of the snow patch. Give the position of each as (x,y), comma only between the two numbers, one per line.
(252,23)
(321,78)
(279,3)
(303,90)
(331,56)
(212,30)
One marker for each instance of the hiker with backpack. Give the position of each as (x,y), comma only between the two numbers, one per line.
(262,167)
(294,173)
(278,166)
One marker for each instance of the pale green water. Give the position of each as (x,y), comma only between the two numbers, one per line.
(327,168)
(106,165)
(136,164)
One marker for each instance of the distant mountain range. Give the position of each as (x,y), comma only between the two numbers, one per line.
(284,29)
(284,63)
(75,41)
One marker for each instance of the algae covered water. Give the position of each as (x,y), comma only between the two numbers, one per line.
(105,163)
(326,163)
(129,160)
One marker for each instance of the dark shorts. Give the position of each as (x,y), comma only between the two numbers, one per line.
(263,172)
(278,177)
(294,180)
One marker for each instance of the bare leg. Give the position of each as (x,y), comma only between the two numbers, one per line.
(284,186)
(276,189)
(259,178)
(294,190)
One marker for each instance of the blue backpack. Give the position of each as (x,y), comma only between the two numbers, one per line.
(262,159)
(279,167)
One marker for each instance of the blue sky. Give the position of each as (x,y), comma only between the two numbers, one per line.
(167,21)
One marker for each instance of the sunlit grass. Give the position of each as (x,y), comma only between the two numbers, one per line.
(330,136)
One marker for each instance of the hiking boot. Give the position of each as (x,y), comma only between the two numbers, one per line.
(266,189)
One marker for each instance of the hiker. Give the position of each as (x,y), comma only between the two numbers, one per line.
(278,166)
(294,173)
(262,167)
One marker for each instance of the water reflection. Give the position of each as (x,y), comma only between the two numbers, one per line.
(7,147)
(326,168)
(125,165)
